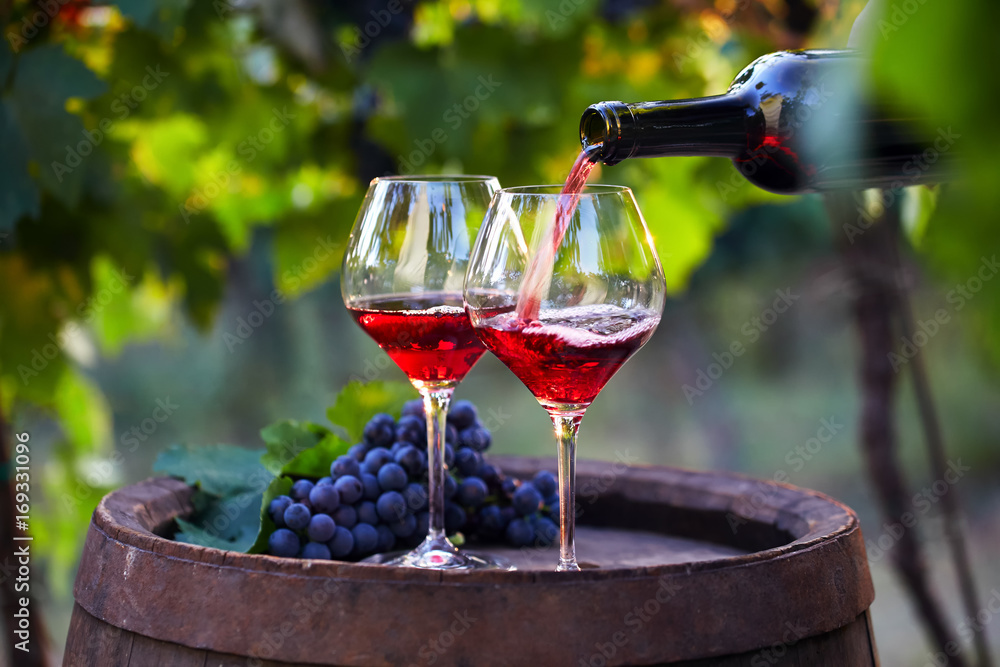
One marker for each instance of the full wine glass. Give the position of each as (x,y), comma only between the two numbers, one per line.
(402,283)
(564,310)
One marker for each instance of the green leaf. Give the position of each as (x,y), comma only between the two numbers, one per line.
(279,486)
(19,196)
(221,470)
(286,440)
(357,402)
(194,534)
(316,461)
(44,79)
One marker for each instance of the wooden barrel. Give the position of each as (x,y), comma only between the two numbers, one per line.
(684,568)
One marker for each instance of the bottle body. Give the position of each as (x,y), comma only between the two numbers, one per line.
(791,122)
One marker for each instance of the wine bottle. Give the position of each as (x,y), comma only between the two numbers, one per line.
(791,122)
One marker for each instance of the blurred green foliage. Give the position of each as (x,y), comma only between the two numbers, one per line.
(143,142)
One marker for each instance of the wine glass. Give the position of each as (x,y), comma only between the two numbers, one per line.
(402,283)
(563,289)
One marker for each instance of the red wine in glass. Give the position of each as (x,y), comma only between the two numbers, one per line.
(405,261)
(427,335)
(566,357)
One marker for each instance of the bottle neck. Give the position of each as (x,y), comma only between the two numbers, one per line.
(714,126)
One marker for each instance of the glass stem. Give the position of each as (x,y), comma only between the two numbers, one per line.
(567,424)
(436,402)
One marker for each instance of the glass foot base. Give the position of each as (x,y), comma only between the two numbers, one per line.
(437,556)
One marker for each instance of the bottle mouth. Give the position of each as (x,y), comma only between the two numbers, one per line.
(607,131)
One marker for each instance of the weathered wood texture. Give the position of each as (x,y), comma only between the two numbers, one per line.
(767,575)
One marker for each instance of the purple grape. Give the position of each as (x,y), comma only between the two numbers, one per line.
(463,414)
(546,483)
(365,539)
(350,489)
(405,527)
(284,543)
(300,490)
(346,516)
(321,528)
(471,492)
(324,498)
(276,510)
(386,540)
(342,543)
(297,516)
(316,551)
(367,513)
(343,466)
(392,477)
(371,489)
(527,500)
(391,506)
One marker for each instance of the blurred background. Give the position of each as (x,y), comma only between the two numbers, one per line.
(170,167)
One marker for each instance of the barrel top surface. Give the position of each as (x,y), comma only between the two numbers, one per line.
(728,559)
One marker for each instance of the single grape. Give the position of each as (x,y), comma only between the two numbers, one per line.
(489,474)
(416,497)
(414,408)
(546,483)
(300,490)
(492,521)
(345,465)
(297,516)
(321,528)
(371,490)
(284,543)
(508,486)
(391,506)
(450,435)
(449,455)
(411,460)
(450,487)
(357,452)
(454,518)
(468,461)
(323,481)
(276,510)
(350,489)
(365,539)
(411,429)
(463,414)
(342,543)
(404,528)
(475,437)
(471,492)
(324,498)
(386,540)
(375,459)
(367,513)
(519,533)
(546,532)
(526,499)
(392,477)
(315,551)
(346,516)
(380,430)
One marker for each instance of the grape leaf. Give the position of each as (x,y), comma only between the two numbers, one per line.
(286,440)
(195,534)
(44,79)
(279,486)
(315,462)
(20,195)
(221,470)
(357,402)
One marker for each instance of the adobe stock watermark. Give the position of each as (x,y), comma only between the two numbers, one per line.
(774,653)
(966,630)
(454,116)
(958,297)
(776,143)
(122,107)
(248,149)
(911,172)
(633,623)
(361,37)
(900,14)
(104,473)
(748,506)
(47,10)
(436,648)
(751,330)
(566,9)
(922,503)
(86,311)
(264,308)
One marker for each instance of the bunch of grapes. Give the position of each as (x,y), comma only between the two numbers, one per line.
(375,499)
